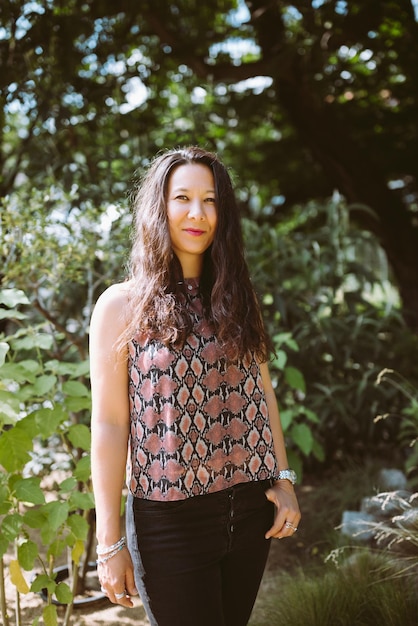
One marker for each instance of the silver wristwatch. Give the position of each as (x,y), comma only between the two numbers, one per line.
(286,474)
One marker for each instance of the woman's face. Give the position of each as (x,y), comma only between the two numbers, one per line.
(192,214)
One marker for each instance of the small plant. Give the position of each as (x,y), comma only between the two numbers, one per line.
(408,430)
(40,402)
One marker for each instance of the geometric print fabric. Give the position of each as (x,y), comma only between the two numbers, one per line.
(198,424)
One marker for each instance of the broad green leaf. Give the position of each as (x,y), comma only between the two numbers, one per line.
(79,500)
(78,526)
(57,513)
(13,297)
(33,340)
(50,615)
(11,525)
(35,518)
(77,404)
(80,436)
(318,451)
(43,581)
(294,378)
(15,445)
(56,547)
(44,384)
(68,484)
(286,416)
(75,388)
(63,593)
(18,372)
(9,314)
(29,490)
(302,436)
(49,419)
(5,503)
(82,470)
(280,360)
(27,553)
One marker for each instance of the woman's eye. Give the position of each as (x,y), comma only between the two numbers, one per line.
(181,198)
(210,200)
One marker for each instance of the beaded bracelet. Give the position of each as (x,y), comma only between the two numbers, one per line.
(106,549)
(109,555)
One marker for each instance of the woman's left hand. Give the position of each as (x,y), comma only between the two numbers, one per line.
(287,515)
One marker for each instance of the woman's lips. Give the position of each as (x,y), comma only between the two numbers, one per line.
(194,231)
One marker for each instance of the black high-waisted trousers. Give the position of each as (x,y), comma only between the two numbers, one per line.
(199,561)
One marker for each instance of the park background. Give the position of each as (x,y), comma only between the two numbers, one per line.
(313,106)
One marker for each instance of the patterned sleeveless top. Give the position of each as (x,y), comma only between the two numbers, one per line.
(198,423)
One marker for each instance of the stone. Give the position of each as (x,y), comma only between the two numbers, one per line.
(358,525)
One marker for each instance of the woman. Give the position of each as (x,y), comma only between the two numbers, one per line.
(179,378)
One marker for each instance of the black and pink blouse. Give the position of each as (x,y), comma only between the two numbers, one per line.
(199,424)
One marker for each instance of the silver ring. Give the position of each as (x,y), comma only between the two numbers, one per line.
(119,596)
(289,525)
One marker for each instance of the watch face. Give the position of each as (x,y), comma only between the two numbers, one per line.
(292,476)
(288,474)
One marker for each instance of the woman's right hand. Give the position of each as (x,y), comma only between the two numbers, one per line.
(116,577)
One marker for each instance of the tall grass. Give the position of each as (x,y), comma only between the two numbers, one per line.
(368,589)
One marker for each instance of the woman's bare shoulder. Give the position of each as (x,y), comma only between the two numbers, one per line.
(113,302)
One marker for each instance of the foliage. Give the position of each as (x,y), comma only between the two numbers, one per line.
(326,288)
(367,588)
(40,400)
(408,429)
(300,98)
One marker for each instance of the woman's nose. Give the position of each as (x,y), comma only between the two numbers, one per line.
(197,209)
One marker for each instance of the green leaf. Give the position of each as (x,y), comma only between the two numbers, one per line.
(9,314)
(294,378)
(57,513)
(11,525)
(43,581)
(35,518)
(280,360)
(44,384)
(48,420)
(33,340)
(5,503)
(80,436)
(80,500)
(286,417)
(56,548)
(318,451)
(63,593)
(82,470)
(68,484)
(302,436)
(27,553)
(15,445)
(78,526)
(29,490)
(12,297)
(77,404)
(75,388)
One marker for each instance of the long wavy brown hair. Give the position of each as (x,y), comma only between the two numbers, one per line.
(156,297)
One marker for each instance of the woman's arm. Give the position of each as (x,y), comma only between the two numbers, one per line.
(110,432)
(282,493)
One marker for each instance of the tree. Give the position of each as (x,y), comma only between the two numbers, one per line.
(302,97)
